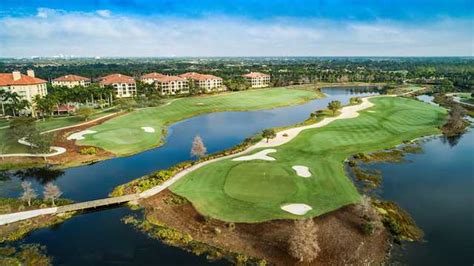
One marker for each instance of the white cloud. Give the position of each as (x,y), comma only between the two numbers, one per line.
(54,32)
(104,13)
(45,12)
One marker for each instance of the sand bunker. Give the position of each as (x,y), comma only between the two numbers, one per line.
(261,155)
(80,135)
(302,171)
(200,104)
(148,129)
(296,208)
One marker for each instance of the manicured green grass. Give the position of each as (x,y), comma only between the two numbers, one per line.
(9,144)
(123,135)
(253,191)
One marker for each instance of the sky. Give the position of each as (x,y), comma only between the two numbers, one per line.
(201,28)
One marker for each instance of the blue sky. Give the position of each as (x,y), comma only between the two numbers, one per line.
(236,28)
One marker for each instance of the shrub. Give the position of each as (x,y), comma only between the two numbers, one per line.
(231,226)
(368,228)
(88,151)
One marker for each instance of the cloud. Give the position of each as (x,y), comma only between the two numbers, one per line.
(104,13)
(53,32)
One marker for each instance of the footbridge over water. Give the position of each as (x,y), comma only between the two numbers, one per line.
(18,216)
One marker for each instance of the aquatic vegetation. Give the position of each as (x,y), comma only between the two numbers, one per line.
(29,254)
(157,230)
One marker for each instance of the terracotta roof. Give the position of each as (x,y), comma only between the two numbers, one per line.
(65,108)
(70,78)
(255,75)
(198,76)
(153,75)
(6,79)
(170,78)
(116,78)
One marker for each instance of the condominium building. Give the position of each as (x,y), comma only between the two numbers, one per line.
(125,86)
(167,85)
(205,83)
(71,81)
(257,79)
(26,86)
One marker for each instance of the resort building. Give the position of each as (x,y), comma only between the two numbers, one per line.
(71,81)
(257,79)
(204,83)
(167,85)
(26,86)
(125,86)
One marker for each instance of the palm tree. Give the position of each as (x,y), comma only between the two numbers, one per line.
(14,99)
(2,99)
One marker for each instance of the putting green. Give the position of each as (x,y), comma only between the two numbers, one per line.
(268,183)
(123,135)
(254,191)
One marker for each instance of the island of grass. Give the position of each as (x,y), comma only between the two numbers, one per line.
(143,129)
(256,190)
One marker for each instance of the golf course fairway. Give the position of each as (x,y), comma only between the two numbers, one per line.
(255,190)
(124,135)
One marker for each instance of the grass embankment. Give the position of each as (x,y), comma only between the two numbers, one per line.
(123,135)
(253,191)
(8,144)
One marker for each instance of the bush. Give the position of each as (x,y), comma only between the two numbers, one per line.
(88,151)
(368,228)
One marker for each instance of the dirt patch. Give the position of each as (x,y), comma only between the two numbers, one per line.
(340,236)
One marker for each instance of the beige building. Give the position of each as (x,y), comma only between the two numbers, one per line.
(27,86)
(167,85)
(125,86)
(257,79)
(205,83)
(71,81)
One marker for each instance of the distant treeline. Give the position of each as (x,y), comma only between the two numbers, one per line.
(285,71)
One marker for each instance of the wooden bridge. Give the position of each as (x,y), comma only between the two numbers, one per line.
(97,203)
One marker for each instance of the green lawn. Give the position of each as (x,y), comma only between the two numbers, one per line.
(123,135)
(253,191)
(11,145)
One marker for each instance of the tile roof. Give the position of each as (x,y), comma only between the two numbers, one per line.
(153,75)
(6,79)
(71,78)
(116,78)
(255,75)
(198,76)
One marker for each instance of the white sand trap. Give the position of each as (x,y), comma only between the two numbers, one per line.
(296,208)
(80,135)
(261,155)
(148,129)
(200,104)
(301,170)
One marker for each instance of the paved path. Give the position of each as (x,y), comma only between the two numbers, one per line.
(57,150)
